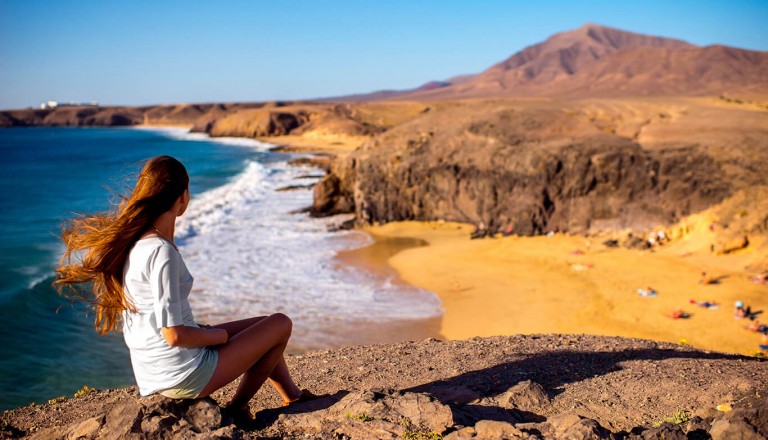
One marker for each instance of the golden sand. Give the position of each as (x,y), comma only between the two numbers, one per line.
(572,284)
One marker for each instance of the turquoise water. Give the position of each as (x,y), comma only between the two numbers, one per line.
(250,246)
(48,346)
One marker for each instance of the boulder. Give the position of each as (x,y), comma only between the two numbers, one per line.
(491,429)
(526,395)
(371,414)
(87,428)
(572,426)
(155,417)
(666,431)
(466,432)
(122,420)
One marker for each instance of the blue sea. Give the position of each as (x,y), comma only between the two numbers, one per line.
(246,240)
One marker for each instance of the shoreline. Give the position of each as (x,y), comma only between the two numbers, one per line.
(372,259)
(574,285)
(599,297)
(592,293)
(331,330)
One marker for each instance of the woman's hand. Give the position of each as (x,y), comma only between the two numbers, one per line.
(193,337)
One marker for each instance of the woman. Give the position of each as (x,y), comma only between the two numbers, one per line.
(140,280)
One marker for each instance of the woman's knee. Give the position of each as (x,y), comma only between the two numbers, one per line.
(283,321)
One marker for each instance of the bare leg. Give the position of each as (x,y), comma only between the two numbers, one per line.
(282,381)
(255,350)
(280,378)
(254,378)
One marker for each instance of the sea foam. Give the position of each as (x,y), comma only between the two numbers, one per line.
(254,252)
(183,134)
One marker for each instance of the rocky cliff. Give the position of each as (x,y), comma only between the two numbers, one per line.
(529,166)
(535,168)
(197,116)
(523,387)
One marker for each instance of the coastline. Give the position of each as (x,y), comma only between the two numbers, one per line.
(373,259)
(331,315)
(472,278)
(356,296)
(536,285)
(574,285)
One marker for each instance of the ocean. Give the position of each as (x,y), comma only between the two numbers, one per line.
(245,238)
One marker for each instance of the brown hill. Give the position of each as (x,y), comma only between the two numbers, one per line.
(601,61)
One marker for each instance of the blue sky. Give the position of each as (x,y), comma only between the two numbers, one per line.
(142,52)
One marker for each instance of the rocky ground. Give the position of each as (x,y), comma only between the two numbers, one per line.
(525,386)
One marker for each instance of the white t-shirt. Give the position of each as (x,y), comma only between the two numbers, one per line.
(157,283)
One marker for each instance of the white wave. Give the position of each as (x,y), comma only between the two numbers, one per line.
(252,254)
(184,134)
(39,279)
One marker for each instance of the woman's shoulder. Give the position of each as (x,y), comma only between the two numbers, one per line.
(153,247)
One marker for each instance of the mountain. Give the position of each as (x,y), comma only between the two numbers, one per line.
(596,60)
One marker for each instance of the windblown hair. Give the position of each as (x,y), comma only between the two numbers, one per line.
(97,246)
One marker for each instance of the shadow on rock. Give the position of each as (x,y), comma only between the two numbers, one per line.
(269,416)
(551,369)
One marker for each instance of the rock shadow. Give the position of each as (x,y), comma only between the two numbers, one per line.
(267,417)
(550,369)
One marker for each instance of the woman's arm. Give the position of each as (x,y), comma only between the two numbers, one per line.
(192,337)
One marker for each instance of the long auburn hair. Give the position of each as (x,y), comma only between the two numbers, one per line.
(97,246)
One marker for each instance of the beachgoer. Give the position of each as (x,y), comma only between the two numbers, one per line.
(757,327)
(480,231)
(140,285)
(742,311)
(706,279)
(678,314)
(705,304)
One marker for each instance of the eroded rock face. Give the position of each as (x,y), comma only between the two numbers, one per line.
(371,414)
(154,417)
(257,122)
(750,421)
(526,395)
(532,171)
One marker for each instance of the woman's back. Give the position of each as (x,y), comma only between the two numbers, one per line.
(157,283)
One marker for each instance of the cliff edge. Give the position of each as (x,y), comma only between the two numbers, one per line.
(524,386)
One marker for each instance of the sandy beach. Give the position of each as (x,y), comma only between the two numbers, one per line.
(567,284)
(572,284)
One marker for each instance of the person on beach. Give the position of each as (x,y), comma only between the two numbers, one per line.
(741,311)
(647,293)
(679,314)
(706,304)
(480,231)
(706,279)
(757,327)
(140,285)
